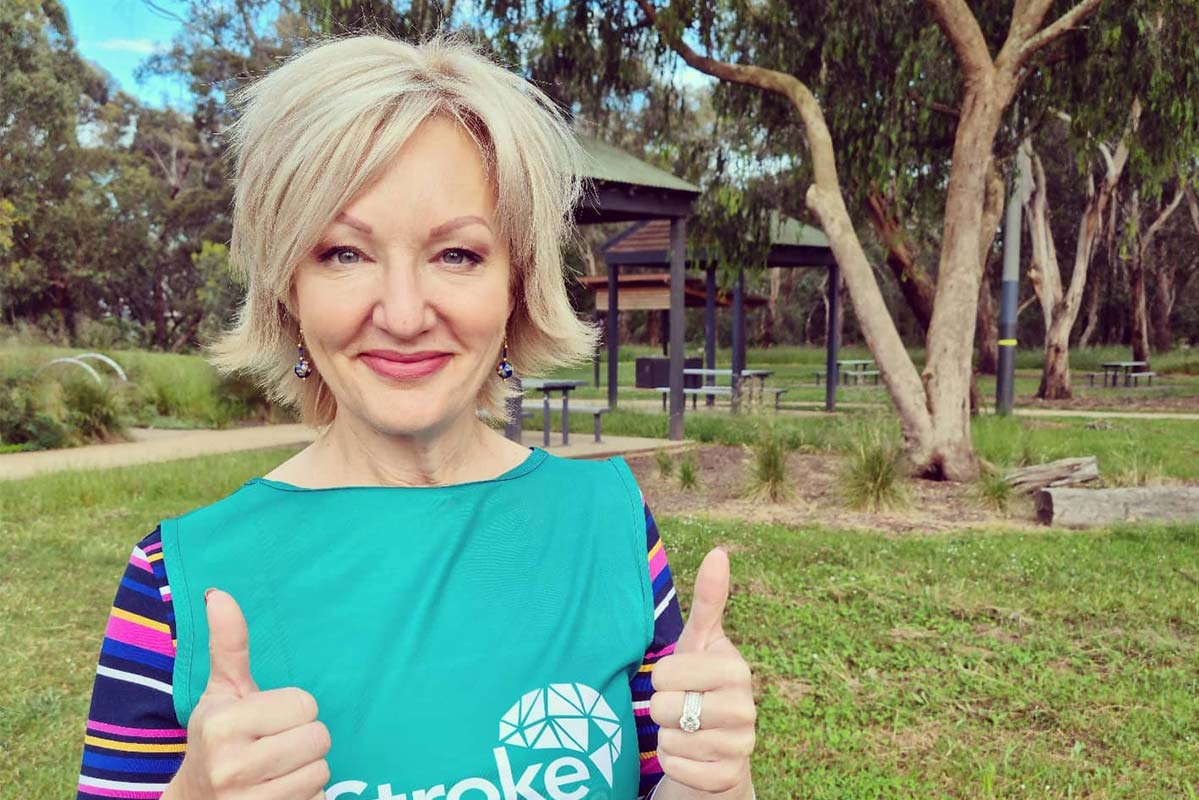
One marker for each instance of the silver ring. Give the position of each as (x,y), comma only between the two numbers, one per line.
(692,703)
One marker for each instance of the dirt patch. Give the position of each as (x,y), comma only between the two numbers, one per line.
(723,471)
(1119,402)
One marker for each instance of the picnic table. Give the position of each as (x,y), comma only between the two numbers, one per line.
(1121,370)
(546,387)
(760,374)
(856,368)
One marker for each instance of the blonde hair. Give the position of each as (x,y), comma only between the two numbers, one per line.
(318,129)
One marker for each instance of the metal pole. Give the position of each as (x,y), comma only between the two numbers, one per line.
(710,330)
(613,345)
(595,358)
(678,259)
(832,337)
(738,337)
(1009,292)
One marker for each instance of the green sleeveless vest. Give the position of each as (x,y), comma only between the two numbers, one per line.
(466,642)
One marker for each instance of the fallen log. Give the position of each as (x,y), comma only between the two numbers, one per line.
(1063,472)
(1083,507)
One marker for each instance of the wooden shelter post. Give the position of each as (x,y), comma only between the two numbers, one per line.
(678,260)
(833,337)
(613,344)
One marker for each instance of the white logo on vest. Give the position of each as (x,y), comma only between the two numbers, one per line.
(561,717)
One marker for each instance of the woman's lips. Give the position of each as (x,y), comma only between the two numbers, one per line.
(405,370)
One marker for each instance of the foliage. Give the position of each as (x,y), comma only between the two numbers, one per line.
(23,419)
(95,411)
(688,470)
(992,491)
(665,462)
(872,476)
(768,466)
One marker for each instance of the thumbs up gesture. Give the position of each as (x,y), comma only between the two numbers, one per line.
(715,757)
(243,742)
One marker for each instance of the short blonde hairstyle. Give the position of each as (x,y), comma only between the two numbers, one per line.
(320,128)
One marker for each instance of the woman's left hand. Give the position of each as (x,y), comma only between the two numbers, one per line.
(714,758)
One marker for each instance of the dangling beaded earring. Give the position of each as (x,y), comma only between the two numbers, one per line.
(302,368)
(504,370)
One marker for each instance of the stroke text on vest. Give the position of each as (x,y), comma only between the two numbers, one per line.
(559,775)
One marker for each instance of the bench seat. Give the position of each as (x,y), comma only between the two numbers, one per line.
(596,413)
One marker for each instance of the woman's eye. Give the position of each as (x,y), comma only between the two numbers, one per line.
(344,256)
(459,256)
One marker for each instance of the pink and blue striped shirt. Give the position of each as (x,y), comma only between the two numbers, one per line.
(134,744)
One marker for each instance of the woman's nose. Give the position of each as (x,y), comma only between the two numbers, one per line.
(402,306)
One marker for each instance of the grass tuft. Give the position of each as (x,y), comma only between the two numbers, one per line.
(872,476)
(665,463)
(688,471)
(768,470)
(992,491)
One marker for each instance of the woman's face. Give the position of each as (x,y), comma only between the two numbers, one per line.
(404,301)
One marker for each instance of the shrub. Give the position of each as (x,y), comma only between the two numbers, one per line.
(665,464)
(871,478)
(23,418)
(94,410)
(688,471)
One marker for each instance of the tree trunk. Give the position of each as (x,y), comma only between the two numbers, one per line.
(986,331)
(1060,306)
(1163,302)
(1140,255)
(914,284)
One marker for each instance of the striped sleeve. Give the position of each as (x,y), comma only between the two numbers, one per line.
(668,625)
(133,744)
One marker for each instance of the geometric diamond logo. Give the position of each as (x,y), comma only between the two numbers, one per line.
(567,716)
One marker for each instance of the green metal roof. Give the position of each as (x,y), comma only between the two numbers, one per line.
(608,163)
(790,231)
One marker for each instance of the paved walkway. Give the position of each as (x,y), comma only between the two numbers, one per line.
(153,445)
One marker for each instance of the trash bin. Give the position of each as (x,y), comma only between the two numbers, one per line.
(654,371)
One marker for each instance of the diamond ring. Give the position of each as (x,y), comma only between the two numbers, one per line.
(692,702)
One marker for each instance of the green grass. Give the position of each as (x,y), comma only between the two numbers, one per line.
(973,665)
(1168,448)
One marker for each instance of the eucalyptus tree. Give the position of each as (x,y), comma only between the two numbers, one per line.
(54,211)
(933,405)
(1130,116)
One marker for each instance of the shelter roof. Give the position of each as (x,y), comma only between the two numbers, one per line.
(608,163)
(651,290)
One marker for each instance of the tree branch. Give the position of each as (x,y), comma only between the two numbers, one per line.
(1064,24)
(957,22)
(934,105)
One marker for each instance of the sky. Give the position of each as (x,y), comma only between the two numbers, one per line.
(118,35)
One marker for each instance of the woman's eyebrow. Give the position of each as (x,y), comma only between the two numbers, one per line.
(456,223)
(356,224)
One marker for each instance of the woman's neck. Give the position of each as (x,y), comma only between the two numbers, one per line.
(351,453)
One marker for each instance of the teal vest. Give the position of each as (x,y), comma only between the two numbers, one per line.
(466,642)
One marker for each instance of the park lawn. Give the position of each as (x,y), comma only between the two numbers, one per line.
(984,665)
(1130,451)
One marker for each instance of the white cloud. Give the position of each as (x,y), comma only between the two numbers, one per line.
(140,46)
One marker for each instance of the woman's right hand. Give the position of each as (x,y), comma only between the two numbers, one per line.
(244,743)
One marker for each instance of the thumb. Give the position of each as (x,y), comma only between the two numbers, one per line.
(707,608)
(228,646)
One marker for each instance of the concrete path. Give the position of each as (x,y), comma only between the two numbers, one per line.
(153,445)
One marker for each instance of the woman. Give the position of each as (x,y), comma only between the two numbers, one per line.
(413,606)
